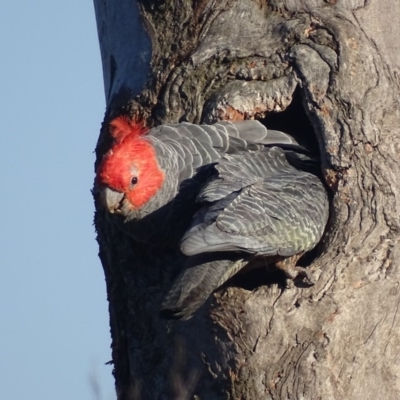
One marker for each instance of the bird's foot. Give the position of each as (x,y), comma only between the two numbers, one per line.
(292,272)
(305,274)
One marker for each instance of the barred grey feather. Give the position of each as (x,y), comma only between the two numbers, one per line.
(196,282)
(232,191)
(251,131)
(278,210)
(257,203)
(210,141)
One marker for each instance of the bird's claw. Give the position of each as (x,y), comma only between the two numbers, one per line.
(293,273)
(305,274)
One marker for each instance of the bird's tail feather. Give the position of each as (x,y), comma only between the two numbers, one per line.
(195,283)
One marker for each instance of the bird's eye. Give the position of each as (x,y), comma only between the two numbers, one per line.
(134,181)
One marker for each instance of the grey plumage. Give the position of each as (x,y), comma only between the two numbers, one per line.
(184,148)
(256,205)
(201,275)
(269,212)
(231,195)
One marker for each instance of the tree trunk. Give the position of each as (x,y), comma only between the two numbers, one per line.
(327,71)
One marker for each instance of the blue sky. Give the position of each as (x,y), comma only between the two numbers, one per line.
(54,331)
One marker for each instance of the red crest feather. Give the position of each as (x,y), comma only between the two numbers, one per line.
(122,127)
(131,155)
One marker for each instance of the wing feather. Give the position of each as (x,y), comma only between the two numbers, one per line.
(261,205)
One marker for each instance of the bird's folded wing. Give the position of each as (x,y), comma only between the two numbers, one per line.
(259,205)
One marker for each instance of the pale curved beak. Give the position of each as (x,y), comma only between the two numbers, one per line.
(111,199)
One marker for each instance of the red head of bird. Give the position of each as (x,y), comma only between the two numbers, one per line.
(129,172)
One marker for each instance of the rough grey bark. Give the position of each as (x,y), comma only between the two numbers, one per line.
(337,63)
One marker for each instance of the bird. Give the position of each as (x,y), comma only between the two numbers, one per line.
(229,196)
